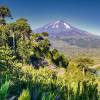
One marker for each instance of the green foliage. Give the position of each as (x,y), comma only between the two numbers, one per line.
(25,95)
(4,90)
(84,61)
(23,51)
(6,58)
(41,48)
(59,59)
(3,35)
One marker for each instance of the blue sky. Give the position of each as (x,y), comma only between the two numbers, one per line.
(84,14)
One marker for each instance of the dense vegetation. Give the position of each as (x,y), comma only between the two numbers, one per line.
(30,69)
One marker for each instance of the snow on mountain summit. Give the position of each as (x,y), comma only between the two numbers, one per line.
(67,26)
(59,24)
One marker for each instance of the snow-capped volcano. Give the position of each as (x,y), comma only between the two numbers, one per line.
(70,34)
(54,27)
(60,28)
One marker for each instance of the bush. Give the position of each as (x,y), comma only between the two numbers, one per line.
(25,95)
(82,61)
(59,59)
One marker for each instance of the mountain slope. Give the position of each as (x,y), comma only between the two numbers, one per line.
(60,28)
(69,34)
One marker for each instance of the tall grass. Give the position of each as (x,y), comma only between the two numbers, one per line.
(4,91)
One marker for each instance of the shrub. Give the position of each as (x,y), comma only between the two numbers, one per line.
(25,95)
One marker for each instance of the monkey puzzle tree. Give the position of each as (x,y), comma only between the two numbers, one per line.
(4,12)
(18,30)
(24,28)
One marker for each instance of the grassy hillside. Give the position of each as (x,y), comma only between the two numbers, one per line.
(73,51)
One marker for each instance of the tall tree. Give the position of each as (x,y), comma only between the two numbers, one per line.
(24,28)
(4,12)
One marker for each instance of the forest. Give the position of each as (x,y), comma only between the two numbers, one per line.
(31,69)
